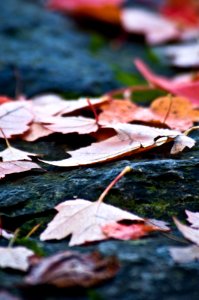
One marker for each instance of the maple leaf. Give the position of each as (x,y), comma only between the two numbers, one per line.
(187,254)
(52,105)
(129,232)
(15,258)
(189,90)
(104,10)
(175,112)
(88,221)
(14,154)
(130,139)
(83,219)
(15,117)
(181,56)
(48,109)
(16,167)
(72,269)
(156,28)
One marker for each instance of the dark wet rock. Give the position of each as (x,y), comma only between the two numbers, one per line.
(48,53)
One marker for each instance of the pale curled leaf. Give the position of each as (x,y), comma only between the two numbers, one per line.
(189,233)
(14,154)
(72,269)
(193,218)
(129,139)
(15,258)
(184,254)
(83,219)
(5,234)
(16,167)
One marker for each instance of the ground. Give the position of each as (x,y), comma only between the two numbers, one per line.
(84,62)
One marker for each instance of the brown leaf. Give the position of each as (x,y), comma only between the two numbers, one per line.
(72,269)
(15,117)
(15,258)
(130,139)
(83,219)
(16,167)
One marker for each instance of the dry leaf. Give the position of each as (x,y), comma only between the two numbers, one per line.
(193,218)
(183,56)
(66,125)
(14,154)
(72,269)
(15,117)
(103,10)
(5,234)
(51,105)
(189,233)
(184,254)
(36,131)
(175,112)
(156,28)
(15,258)
(130,139)
(16,167)
(129,232)
(83,219)
(189,90)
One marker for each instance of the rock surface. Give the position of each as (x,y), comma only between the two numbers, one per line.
(50,53)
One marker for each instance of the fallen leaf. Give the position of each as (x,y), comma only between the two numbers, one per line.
(182,56)
(15,258)
(5,234)
(66,125)
(15,117)
(129,232)
(16,167)
(184,254)
(189,90)
(156,28)
(14,154)
(36,131)
(189,233)
(51,105)
(193,218)
(83,219)
(103,10)
(130,139)
(175,112)
(72,269)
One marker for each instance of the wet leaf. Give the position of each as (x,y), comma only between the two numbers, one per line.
(83,219)
(72,269)
(129,139)
(7,168)
(15,258)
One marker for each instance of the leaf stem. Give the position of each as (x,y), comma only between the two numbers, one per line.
(105,192)
(188,131)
